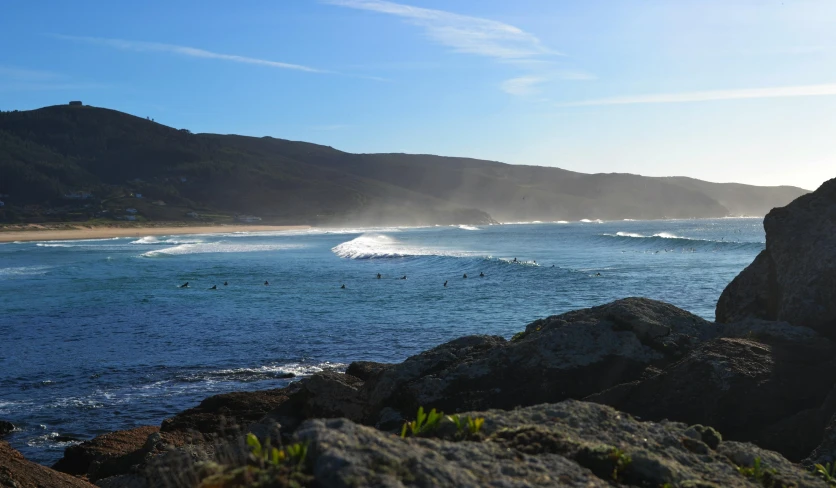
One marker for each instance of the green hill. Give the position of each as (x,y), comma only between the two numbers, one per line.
(49,153)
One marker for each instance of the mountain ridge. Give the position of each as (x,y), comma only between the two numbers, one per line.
(49,152)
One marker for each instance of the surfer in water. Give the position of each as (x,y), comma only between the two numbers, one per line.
(185,285)
(214,287)
(225,283)
(404,277)
(266,283)
(445,284)
(378,276)
(342,287)
(515,260)
(465,275)
(481,275)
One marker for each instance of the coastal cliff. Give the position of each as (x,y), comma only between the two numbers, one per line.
(632,393)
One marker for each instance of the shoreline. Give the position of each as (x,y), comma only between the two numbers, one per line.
(46,234)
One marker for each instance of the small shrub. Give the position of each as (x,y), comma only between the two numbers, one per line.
(293,455)
(423,423)
(468,425)
(827,472)
(758,472)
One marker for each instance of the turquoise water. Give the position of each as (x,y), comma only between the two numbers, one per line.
(97,335)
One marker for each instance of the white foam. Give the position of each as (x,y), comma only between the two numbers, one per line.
(627,234)
(217,247)
(468,227)
(560,222)
(369,246)
(152,240)
(42,244)
(24,270)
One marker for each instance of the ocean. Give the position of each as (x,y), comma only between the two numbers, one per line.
(98,335)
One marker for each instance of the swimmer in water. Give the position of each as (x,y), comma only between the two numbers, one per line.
(481,275)
(342,287)
(214,287)
(378,276)
(465,275)
(226,284)
(445,284)
(266,283)
(185,285)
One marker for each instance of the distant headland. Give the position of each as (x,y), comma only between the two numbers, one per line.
(82,164)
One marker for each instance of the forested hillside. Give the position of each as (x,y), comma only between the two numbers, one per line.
(51,158)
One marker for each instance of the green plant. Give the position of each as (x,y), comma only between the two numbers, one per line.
(294,454)
(424,422)
(518,336)
(472,425)
(827,472)
(621,460)
(758,471)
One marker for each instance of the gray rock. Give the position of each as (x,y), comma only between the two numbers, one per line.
(571,444)
(565,356)
(794,279)
(6,427)
(745,388)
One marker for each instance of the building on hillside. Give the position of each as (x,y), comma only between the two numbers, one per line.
(248,218)
(75,103)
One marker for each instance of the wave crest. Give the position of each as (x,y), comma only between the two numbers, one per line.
(372,246)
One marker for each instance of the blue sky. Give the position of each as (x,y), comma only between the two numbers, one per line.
(726,90)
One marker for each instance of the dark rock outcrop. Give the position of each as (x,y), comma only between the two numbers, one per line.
(6,427)
(566,356)
(227,412)
(17,472)
(106,454)
(752,389)
(794,279)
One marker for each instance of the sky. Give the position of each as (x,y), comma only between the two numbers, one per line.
(721,90)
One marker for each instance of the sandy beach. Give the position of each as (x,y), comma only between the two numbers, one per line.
(47,234)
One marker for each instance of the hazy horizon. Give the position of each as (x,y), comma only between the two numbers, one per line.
(719,91)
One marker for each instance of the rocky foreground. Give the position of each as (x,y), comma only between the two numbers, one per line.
(632,393)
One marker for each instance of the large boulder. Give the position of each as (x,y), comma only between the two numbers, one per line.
(568,444)
(566,356)
(228,412)
(794,278)
(764,391)
(17,472)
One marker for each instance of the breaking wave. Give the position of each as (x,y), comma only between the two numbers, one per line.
(468,227)
(372,246)
(666,240)
(216,247)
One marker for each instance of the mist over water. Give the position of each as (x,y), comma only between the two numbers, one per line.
(98,336)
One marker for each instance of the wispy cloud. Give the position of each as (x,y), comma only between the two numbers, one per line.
(704,96)
(13,78)
(24,74)
(463,33)
(185,51)
(522,86)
